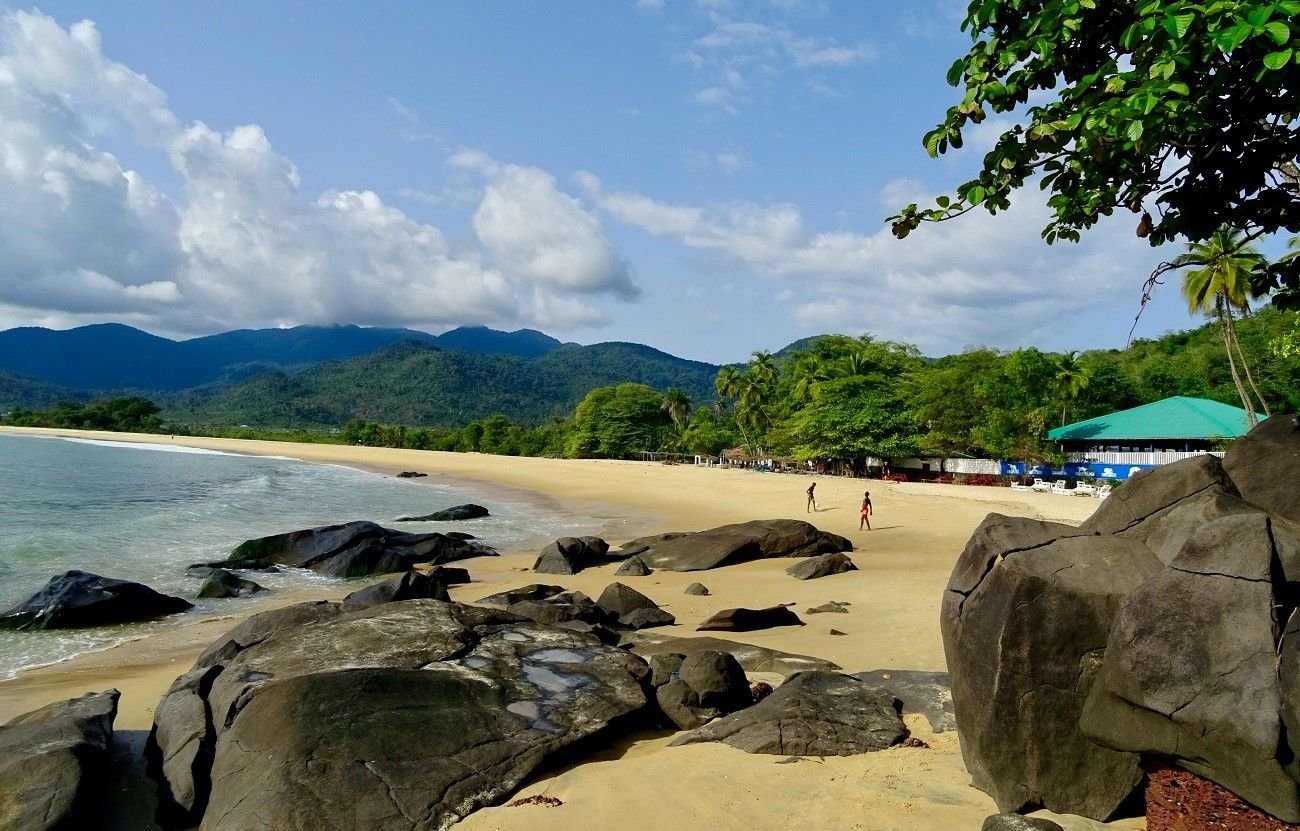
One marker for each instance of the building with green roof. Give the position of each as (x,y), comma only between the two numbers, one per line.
(1179,424)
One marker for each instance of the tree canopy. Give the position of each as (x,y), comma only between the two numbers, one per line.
(1183,112)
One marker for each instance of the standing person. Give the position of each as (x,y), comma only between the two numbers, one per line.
(865,512)
(812,500)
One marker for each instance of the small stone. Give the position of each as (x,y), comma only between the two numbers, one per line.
(837,632)
(633,567)
(698,589)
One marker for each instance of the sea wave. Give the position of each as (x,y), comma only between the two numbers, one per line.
(166,448)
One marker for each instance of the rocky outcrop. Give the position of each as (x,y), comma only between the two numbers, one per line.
(570,555)
(822,565)
(811,714)
(353,549)
(731,544)
(452,514)
(748,620)
(78,599)
(926,693)
(1168,631)
(400,716)
(48,757)
(220,583)
(692,690)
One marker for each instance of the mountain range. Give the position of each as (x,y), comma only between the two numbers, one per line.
(326,375)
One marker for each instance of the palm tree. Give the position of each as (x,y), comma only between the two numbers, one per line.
(1072,378)
(1221,285)
(730,383)
(809,372)
(677,404)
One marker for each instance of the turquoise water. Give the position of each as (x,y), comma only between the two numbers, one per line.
(145,512)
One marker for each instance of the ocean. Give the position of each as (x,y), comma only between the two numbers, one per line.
(144,512)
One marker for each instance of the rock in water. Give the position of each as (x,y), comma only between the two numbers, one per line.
(221,583)
(927,693)
(452,514)
(747,620)
(353,549)
(633,566)
(570,555)
(46,758)
(811,714)
(79,598)
(730,544)
(400,716)
(822,565)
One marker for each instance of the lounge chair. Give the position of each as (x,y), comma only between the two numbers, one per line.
(1016,486)
(1084,489)
(1103,491)
(1059,488)
(1041,486)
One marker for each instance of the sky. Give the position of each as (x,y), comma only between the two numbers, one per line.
(709,177)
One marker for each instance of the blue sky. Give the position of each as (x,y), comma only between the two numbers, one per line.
(704,176)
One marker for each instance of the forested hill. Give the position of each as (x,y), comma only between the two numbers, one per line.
(111,356)
(414,383)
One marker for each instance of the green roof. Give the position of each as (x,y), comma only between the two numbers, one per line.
(1173,418)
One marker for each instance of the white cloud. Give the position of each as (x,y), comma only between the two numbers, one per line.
(977,279)
(82,237)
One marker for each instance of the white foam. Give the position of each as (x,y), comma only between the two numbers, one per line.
(167,448)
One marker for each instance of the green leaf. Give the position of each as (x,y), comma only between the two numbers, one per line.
(1178,24)
(931,141)
(1277,60)
(1279,31)
(1180,88)
(942,201)
(976,195)
(1134,132)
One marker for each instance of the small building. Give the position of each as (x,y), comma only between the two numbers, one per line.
(1151,435)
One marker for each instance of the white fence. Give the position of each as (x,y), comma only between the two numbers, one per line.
(972,466)
(1157,458)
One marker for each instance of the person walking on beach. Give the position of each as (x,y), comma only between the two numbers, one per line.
(812,500)
(865,513)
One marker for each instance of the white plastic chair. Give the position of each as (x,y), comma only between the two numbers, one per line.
(1059,488)
(1040,485)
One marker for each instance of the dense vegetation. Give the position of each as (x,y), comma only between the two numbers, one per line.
(831,397)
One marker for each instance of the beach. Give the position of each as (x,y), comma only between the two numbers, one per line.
(904,564)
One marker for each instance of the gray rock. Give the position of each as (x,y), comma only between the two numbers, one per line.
(402,716)
(536,591)
(633,567)
(730,544)
(752,658)
(926,693)
(1025,621)
(1263,465)
(49,757)
(452,514)
(811,714)
(1190,670)
(619,600)
(681,705)
(353,549)
(664,667)
(1016,822)
(646,619)
(697,589)
(717,679)
(823,565)
(78,599)
(183,726)
(748,620)
(1150,493)
(221,583)
(570,555)
(265,625)
(409,586)
(832,607)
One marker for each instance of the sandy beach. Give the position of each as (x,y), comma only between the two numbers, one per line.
(904,563)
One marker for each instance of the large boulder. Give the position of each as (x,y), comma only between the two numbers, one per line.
(1263,466)
(731,544)
(619,600)
(811,714)
(633,566)
(1151,493)
(48,759)
(79,598)
(413,585)
(1025,621)
(399,716)
(570,555)
(1190,670)
(352,549)
(452,514)
(822,565)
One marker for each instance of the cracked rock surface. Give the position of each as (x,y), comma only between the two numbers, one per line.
(406,715)
(1154,631)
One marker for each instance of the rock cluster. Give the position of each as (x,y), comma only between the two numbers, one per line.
(352,549)
(693,689)
(731,544)
(403,715)
(619,608)
(1164,627)
(79,598)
